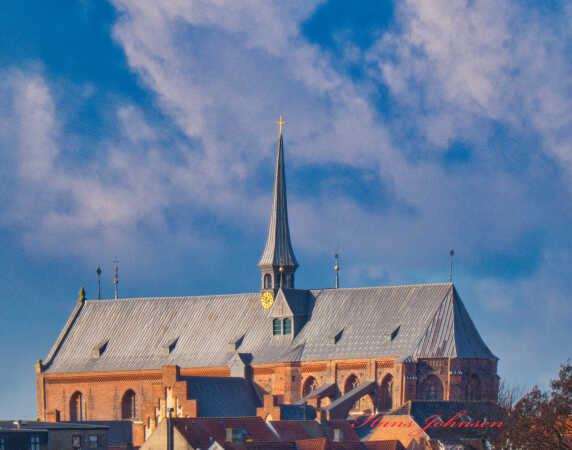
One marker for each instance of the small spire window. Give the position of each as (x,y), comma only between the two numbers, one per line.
(267,281)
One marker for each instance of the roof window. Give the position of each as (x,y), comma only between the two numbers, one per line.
(168,347)
(98,350)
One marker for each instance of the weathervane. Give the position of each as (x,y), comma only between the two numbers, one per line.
(451,253)
(98,272)
(337,269)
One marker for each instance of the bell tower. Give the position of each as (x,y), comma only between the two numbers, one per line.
(278,262)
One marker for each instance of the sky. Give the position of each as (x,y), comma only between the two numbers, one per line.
(144,131)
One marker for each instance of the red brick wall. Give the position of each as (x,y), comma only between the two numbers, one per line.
(102,392)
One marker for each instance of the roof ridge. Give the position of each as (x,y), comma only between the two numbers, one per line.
(187,297)
(385,287)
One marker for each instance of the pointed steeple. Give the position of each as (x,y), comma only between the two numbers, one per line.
(278,262)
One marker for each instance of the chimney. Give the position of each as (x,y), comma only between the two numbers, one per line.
(338,435)
(170,441)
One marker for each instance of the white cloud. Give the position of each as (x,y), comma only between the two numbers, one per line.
(222,72)
(458,64)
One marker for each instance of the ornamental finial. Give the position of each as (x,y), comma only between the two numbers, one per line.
(281,122)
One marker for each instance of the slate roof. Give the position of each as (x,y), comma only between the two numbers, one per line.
(408,321)
(278,250)
(120,431)
(223,396)
(323,390)
(294,430)
(46,426)
(365,387)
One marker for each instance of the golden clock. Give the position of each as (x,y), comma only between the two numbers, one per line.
(267,299)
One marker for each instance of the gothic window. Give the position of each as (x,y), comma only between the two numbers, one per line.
(128,405)
(432,389)
(310,385)
(76,407)
(351,382)
(456,393)
(287,325)
(267,281)
(386,393)
(474,388)
(276,327)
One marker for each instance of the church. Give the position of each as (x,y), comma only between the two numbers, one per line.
(278,352)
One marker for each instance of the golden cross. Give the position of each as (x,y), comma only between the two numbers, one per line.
(281,122)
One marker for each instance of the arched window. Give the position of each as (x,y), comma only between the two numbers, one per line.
(276,327)
(474,388)
(310,385)
(128,405)
(287,325)
(76,407)
(432,389)
(386,393)
(267,281)
(351,382)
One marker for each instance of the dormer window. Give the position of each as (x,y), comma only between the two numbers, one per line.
(281,326)
(276,327)
(169,346)
(287,325)
(98,350)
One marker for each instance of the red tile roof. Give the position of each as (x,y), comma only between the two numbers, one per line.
(199,431)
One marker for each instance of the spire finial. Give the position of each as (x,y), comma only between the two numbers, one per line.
(98,272)
(337,269)
(451,253)
(81,297)
(116,278)
(281,122)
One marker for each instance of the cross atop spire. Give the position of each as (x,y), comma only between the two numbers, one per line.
(281,122)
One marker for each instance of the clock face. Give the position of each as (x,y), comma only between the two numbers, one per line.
(267,299)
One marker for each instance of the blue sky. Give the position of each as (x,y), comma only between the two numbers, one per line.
(145,131)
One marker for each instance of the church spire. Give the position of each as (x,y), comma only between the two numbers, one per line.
(278,262)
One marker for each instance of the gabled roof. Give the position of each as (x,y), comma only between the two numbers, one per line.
(199,431)
(397,321)
(292,302)
(278,250)
(294,430)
